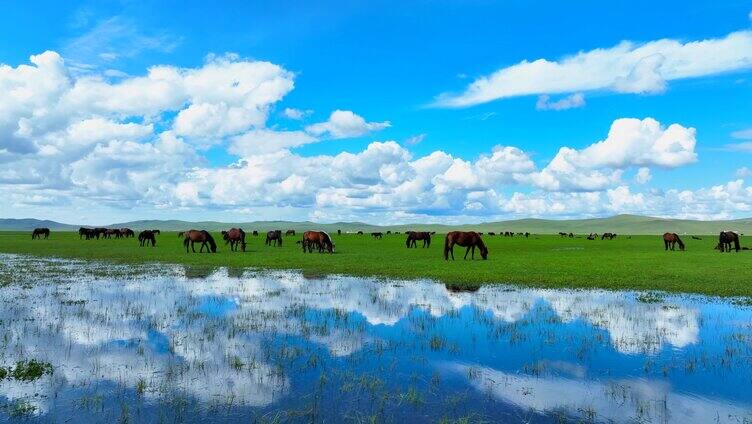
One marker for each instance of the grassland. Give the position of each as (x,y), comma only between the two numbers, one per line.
(638,262)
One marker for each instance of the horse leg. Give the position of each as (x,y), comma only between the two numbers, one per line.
(466,252)
(449,250)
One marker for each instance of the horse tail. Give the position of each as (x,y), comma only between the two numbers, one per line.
(736,243)
(409,238)
(210,239)
(242,239)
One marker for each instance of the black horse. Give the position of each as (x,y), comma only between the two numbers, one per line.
(147,236)
(274,236)
(725,238)
(39,232)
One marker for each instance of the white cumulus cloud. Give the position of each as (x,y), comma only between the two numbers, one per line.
(625,68)
(344,124)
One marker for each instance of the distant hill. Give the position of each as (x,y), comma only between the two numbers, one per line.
(624,224)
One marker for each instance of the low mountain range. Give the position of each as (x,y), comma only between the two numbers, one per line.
(624,224)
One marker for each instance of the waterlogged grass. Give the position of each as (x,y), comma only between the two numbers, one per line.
(26,370)
(637,262)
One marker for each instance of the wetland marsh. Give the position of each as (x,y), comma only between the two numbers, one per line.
(145,343)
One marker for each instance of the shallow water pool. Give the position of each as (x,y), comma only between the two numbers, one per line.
(160,343)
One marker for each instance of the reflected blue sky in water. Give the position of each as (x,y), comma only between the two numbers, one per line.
(221,348)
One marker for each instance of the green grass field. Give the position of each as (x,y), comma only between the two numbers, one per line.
(637,263)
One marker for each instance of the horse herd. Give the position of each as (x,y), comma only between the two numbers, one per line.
(321,242)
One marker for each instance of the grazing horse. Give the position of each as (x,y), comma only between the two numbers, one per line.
(414,236)
(609,236)
(127,232)
(360,233)
(234,236)
(527,234)
(290,232)
(671,239)
(39,232)
(109,232)
(202,236)
(469,239)
(377,235)
(562,234)
(317,238)
(255,233)
(83,231)
(146,236)
(725,238)
(592,236)
(491,233)
(274,236)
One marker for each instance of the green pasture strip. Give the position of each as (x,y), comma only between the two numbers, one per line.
(625,263)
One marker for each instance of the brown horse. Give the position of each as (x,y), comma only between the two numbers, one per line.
(290,232)
(147,236)
(274,236)
(725,238)
(236,237)
(469,239)
(39,232)
(377,235)
(109,232)
(319,239)
(609,236)
(671,239)
(414,236)
(127,232)
(202,236)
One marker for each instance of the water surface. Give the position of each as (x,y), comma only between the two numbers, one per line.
(161,343)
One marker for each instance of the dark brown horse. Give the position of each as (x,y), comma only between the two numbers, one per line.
(39,232)
(235,237)
(127,232)
(203,237)
(377,235)
(318,239)
(670,240)
(110,232)
(609,236)
(469,239)
(290,232)
(147,236)
(725,238)
(414,236)
(274,236)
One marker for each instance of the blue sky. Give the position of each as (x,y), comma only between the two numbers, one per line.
(403,73)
